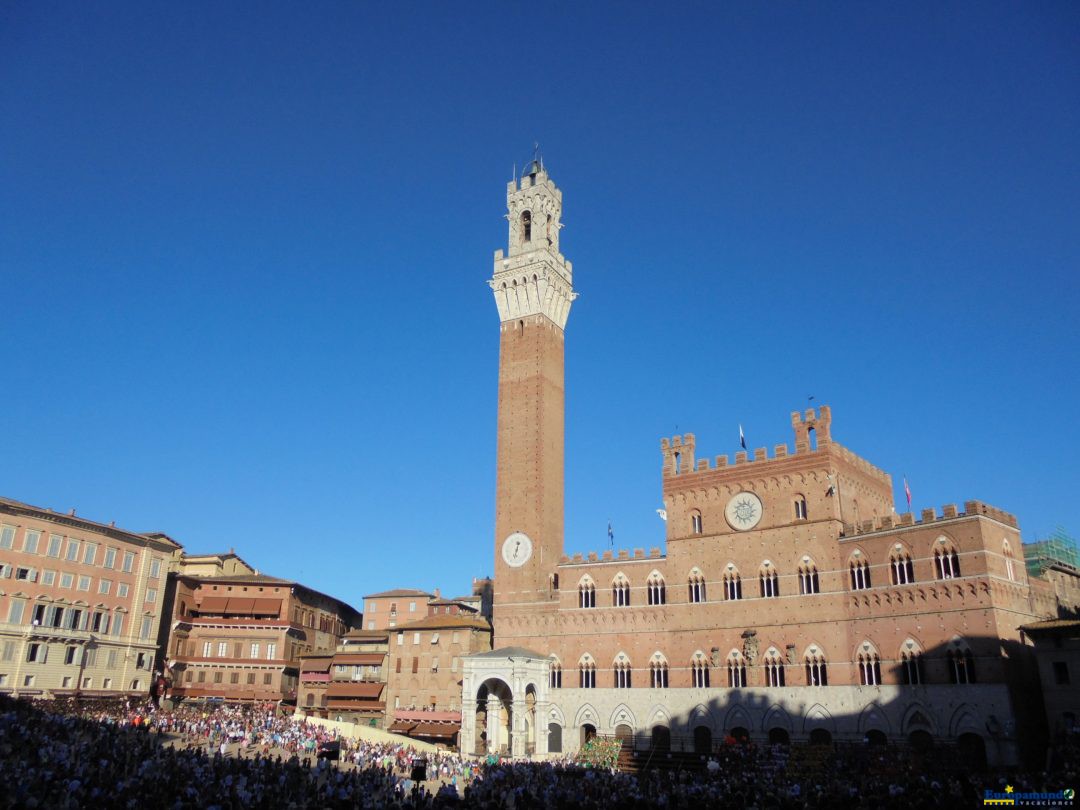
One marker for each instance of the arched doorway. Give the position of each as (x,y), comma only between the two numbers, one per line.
(820,736)
(625,735)
(876,737)
(494,720)
(972,750)
(702,739)
(779,736)
(740,734)
(554,738)
(588,732)
(661,738)
(920,740)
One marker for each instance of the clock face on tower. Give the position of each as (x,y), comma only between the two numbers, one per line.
(516,549)
(743,511)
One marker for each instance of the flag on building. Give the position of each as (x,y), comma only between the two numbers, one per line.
(610,533)
(662,513)
(907,493)
(742,438)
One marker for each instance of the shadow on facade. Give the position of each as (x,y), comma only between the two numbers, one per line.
(976,700)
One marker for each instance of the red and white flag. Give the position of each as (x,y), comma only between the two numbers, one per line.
(907,493)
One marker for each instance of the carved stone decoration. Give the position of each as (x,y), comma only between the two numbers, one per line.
(715,656)
(791,653)
(750,646)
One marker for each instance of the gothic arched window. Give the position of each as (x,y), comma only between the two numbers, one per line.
(657,591)
(860,573)
(620,592)
(696,586)
(808,577)
(526,226)
(774,668)
(769,581)
(736,670)
(901,568)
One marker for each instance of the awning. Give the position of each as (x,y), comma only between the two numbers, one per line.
(240,606)
(315,665)
(267,606)
(401,727)
(356,705)
(355,690)
(314,677)
(369,659)
(212,604)
(443,730)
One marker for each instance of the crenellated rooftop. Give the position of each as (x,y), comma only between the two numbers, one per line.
(948,512)
(680,460)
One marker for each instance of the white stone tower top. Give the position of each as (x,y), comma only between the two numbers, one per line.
(533,278)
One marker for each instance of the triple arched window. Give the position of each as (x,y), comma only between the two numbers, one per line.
(658,673)
(699,671)
(901,568)
(620,592)
(946,560)
(808,577)
(769,581)
(860,573)
(587,673)
(961,663)
(774,668)
(817,672)
(622,672)
(656,590)
(869,664)
(736,670)
(555,675)
(696,586)
(586,594)
(732,584)
(911,664)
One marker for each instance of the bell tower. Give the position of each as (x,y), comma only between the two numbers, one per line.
(533,289)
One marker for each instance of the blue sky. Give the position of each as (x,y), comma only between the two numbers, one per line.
(243,254)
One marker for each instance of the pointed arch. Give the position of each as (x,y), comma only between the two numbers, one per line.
(946,558)
(696,585)
(768,580)
(701,715)
(699,670)
(586,713)
(874,717)
(620,590)
(808,576)
(732,582)
(868,661)
(554,672)
(656,588)
(817,673)
(965,720)
(918,718)
(622,715)
(737,717)
(859,570)
(910,657)
(658,671)
(622,671)
(586,592)
(736,670)
(773,662)
(817,716)
(777,717)
(901,567)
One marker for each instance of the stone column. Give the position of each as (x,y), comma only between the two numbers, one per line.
(541,728)
(467,739)
(494,706)
(520,734)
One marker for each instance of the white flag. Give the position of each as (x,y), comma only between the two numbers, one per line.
(662,513)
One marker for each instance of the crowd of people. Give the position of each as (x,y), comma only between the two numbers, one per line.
(70,754)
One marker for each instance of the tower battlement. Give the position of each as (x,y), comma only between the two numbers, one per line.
(928,516)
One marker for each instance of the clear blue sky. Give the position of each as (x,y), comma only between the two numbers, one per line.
(244,246)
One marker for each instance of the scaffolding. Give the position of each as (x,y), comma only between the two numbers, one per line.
(1057,549)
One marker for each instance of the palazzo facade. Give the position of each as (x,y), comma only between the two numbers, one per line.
(791,602)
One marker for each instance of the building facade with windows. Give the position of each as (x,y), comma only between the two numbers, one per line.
(388,609)
(348,685)
(240,637)
(80,603)
(791,601)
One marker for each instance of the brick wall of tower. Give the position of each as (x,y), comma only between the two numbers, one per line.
(529,475)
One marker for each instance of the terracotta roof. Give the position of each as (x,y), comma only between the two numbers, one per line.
(438,622)
(354,705)
(398,592)
(368,634)
(74,520)
(1051,624)
(424,716)
(313,664)
(359,658)
(510,652)
(359,689)
(434,730)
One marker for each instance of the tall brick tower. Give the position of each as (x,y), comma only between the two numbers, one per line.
(533,291)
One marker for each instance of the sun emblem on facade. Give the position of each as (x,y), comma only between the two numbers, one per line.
(743,511)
